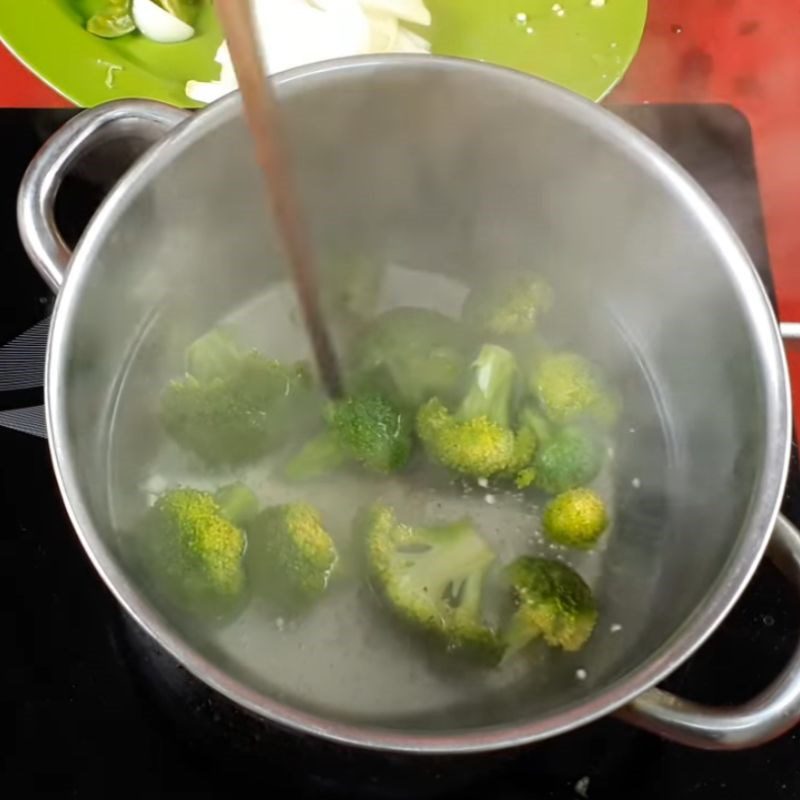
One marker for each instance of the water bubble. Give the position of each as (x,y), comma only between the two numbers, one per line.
(558,9)
(521,18)
(676,28)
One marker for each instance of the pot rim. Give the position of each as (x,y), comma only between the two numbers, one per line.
(737,572)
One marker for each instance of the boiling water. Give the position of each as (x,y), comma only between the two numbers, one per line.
(347,657)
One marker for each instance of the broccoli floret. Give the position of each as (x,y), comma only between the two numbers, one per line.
(290,556)
(233,405)
(214,355)
(510,307)
(432,578)
(410,354)
(477,439)
(372,431)
(571,457)
(576,518)
(568,388)
(365,428)
(551,601)
(193,552)
(237,503)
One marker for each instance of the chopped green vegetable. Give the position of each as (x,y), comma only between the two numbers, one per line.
(551,601)
(193,553)
(410,354)
(372,431)
(234,405)
(570,458)
(508,307)
(432,578)
(237,503)
(477,439)
(290,556)
(365,428)
(568,388)
(113,21)
(576,518)
(317,457)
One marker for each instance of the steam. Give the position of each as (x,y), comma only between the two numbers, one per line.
(449,179)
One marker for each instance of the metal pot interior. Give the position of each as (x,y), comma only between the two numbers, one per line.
(444,171)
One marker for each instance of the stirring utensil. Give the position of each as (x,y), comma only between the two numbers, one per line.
(263,119)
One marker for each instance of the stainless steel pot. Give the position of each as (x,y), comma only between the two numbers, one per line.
(451,166)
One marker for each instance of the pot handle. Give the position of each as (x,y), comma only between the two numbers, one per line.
(143,119)
(772,713)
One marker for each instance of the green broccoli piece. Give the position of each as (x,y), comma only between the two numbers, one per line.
(551,601)
(432,578)
(290,556)
(365,428)
(576,518)
(237,503)
(233,405)
(571,457)
(477,439)
(520,468)
(568,388)
(510,307)
(410,355)
(372,431)
(192,551)
(317,457)
(214,355)
(350,287)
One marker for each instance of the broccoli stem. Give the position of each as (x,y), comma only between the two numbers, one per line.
(518,634)
(491,386)
(531,419)
(237,503)
(213,355)
(320,455)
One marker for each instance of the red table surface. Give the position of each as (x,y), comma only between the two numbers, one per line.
(742,52)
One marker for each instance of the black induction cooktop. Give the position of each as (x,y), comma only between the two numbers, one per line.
(88,709)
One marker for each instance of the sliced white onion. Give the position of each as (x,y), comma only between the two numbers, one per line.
(298,32)
(413,11)
(159,25)
(209,91)
(383,30)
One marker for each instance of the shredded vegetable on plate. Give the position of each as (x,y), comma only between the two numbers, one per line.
(298,32)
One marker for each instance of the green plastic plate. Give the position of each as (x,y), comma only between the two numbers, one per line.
(575,43)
